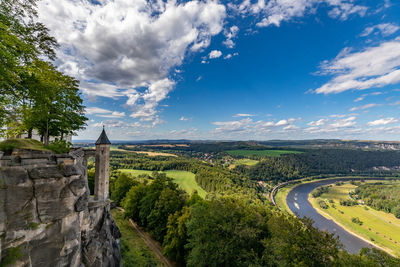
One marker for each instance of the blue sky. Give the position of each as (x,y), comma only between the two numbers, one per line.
(243,70)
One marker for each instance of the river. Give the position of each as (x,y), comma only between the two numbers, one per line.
(298,203)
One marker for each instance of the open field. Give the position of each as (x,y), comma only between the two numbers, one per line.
(247,162)
(134,251)
(149,153)
(265,153)
(186,180)
(153,154)
(378,227)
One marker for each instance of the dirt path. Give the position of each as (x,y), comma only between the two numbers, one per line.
(152,244)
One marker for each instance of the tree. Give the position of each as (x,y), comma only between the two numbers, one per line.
(170,201)
(51,102)
(176,238)
(32,92)
(226,232)
(121,187)
(22,41)
(396,212)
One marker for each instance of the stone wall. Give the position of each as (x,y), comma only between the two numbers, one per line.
(47,217)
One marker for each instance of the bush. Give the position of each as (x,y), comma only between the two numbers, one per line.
(59,146)
(396,212)
(323,204)
(320,190)
(348,203)
(356,220)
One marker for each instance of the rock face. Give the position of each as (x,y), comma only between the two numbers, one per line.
(47,217)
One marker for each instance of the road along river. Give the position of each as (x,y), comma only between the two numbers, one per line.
(298,203)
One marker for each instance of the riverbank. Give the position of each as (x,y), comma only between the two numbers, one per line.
(375,227)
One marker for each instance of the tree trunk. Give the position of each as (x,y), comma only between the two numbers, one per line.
(46,135)
(30,133)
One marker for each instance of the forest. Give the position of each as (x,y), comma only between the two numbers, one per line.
(229,230)
(385,197)
(324,161)
(214,179)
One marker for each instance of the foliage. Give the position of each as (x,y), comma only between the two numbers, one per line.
(150,205)
(323,161)
(215,179)
(385,197)
(323,204)
(91,174)
(33,94)
(356,220)
(186,180)
(133,250)
(121,186)
(10,256)
(263,153)
(348,202)
(59,146)
(319,191)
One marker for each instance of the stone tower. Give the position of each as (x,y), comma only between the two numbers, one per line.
(102,167)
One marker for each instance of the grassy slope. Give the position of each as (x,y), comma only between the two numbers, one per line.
(380,227)
(269,153)
(280,198)
(186,180)
(247,162)
(134,251)
(22,143)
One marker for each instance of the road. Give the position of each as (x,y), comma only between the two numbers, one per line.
(298,203)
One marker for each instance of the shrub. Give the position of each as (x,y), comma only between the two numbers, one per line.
(396,212)
(320,190)
(59,146)
(323,204)
(356,220)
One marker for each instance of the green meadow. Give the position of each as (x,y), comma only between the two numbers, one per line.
(247,162)
(186,180)
(134,251)
(378,227)
(263,153)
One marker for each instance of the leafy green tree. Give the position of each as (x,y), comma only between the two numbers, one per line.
(170,201)
(296,242)
(121,187)
(22,41)
(131,202)
(52,103)
(396,212)
(226,232)
(174,245)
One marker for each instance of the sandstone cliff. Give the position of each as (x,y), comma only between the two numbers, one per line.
(47,217)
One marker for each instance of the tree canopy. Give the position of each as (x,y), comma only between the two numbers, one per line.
(33,94)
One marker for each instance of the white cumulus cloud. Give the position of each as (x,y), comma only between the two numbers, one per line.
(215,54)
(383,121)
(376,66)
(117,48)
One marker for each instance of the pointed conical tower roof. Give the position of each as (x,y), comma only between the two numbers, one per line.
(103,139)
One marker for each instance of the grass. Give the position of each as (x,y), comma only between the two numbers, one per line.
(378,227)
(9,145)
(247,162)
(264,153)
(186,180)
(133,249)
(280,197)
